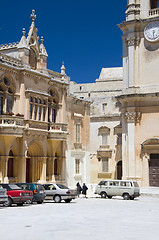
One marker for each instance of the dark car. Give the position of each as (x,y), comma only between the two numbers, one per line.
(16,194)
(37,189)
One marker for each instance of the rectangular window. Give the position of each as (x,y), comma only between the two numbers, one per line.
(77,166)
(104,164)
(43,113)
(119,139)
(154,4)
(35,111)
(39,113)
(53,114)
(78,132)
(104,139)
(1,105)
(30,110)
(9,104)
(104,107)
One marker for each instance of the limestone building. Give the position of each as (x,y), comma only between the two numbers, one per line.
(137,98)
(105,123)
(42,127)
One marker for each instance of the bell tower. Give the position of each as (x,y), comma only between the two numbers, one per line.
(140,96)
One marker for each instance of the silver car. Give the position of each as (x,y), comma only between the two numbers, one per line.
(59,192)
(3,195)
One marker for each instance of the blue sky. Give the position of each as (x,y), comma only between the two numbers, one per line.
(83,34)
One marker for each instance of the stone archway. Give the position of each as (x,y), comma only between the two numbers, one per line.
(35,163)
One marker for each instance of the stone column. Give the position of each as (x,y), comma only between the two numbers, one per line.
(43,169)
(132,118)
(145,170)
(5,168)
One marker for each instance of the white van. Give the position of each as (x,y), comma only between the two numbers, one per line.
(125,188)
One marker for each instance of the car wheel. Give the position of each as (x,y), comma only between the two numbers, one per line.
(109,197)
(131,198)
(68,200)
(40,202)
(103,195)
(57,199)
(126,196)
(20,204)
(8,203)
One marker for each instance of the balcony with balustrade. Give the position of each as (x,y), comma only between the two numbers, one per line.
(154,12)
(57,131)
(11,125)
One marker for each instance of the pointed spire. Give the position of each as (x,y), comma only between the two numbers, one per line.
(33,16)
(42,48)
(63,69)
(23,41)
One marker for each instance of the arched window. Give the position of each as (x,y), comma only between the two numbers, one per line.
(6,95)
(32,59)
(10,165)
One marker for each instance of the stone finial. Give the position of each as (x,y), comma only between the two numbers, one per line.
(23,31)
(33,16)
(42,40)
(63,69)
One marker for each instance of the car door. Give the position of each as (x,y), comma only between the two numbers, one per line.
(50,190)
(113,188)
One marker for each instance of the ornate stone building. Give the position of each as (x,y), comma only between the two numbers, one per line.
(42,127)
(138,101)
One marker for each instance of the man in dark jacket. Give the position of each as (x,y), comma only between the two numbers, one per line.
(84,189)
(79,189)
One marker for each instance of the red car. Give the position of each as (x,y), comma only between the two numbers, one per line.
(16,194)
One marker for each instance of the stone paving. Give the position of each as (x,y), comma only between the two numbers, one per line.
(83,219)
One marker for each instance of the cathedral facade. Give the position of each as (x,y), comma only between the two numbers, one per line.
(42,127)
(129,128)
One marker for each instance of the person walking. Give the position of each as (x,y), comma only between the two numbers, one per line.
(84,189)
(79,189)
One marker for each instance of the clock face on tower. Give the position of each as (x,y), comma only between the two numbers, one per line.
(151,32)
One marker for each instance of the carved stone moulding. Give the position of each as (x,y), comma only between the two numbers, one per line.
(133,117)
(133,9)
(133,41)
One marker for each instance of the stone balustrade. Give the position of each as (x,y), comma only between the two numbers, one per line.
(58,127)
(154,12)
(6,120)
(11,61)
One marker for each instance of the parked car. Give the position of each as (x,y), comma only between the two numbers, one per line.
(16,194)
(125,188)
(37,189)
(3,195)
(59,192)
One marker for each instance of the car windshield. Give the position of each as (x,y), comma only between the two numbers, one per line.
(39,187)
(14,187)
(62,186)
(136,184)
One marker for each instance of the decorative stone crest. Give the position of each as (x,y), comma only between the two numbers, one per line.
(133,41)
(133,117)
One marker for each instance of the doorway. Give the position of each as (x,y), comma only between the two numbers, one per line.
(154,170)
(28,168)
(119,170)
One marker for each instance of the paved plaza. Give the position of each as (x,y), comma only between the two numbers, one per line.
(91,218)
